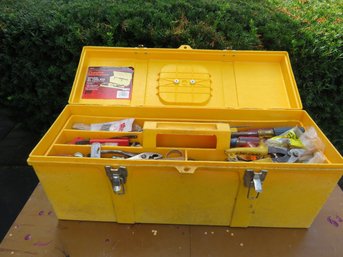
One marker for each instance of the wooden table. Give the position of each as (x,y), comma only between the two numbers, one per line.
(37,232)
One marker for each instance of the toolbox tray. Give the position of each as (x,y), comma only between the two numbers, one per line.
(185,100)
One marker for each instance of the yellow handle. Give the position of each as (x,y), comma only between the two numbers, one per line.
(261,150)
(186,135)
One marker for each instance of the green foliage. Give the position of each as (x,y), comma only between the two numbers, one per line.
(311,31)
(41,41)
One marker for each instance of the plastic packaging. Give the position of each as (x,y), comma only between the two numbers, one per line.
(317,157)
(288,139)
(81,126)
(120,125)
(314,147)
(311,141)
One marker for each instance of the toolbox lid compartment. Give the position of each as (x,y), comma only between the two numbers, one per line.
(189,78)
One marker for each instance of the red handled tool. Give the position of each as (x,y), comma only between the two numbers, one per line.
(244,142)
(119,141)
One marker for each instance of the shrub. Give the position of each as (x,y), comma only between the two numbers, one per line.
(41,41)
(314,40)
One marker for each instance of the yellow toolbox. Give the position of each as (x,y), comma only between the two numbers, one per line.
(146,138)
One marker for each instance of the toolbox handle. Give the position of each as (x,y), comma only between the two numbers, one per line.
(186,135)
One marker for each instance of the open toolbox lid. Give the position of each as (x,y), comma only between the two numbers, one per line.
(185,77)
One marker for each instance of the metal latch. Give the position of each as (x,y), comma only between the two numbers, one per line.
(254,179)
(118,178)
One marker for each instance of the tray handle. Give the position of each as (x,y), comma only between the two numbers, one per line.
(186,135)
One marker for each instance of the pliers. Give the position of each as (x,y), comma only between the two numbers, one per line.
(277,154)
(96,152)
(282,154)
(118,154)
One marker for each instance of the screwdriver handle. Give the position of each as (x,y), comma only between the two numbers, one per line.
(263,132)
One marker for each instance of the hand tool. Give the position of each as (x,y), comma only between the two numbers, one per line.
(118,154)
(119,141)
(146,156)
(292,156)
(244,141)
(277,154)
(96,152)
(109,141)
(265,133)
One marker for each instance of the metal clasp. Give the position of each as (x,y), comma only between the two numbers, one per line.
(254,179)
(118,178)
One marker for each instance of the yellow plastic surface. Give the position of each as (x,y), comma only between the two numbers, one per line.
(201,189)
(254,89)
(184,84)
(195,78)
(186,135)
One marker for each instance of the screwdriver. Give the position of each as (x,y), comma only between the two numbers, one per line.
(244,141)
(120,140)
(265,133)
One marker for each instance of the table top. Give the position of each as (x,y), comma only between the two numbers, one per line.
(37,232)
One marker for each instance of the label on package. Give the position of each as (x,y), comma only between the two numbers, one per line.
(108,83)
(120,125)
